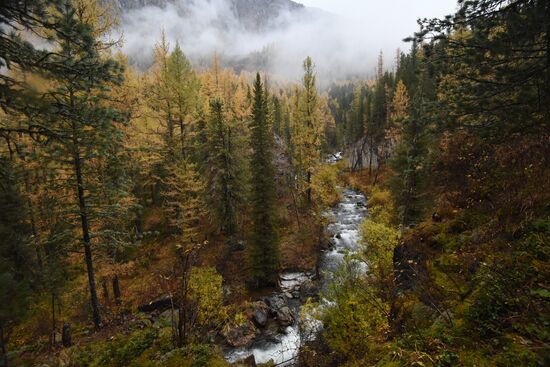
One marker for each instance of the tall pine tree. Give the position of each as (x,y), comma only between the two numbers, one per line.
(85,127)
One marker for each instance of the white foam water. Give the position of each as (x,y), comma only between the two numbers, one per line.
(283,349)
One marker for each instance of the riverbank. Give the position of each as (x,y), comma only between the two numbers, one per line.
(279,344)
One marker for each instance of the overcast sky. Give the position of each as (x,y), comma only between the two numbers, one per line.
(395,18)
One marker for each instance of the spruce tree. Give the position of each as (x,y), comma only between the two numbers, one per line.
(223,168)
(263,250)
(409,163)
(357,118)
(15,258)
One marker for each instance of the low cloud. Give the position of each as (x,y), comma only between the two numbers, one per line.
(338,46)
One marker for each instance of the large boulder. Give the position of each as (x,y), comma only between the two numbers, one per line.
(241,336)
(278,307)
(276,302)
(285,316)
(260,314)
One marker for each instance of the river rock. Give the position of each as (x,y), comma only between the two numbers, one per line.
(326,243)
(278,307)
(285,316)
(275,303)
(260,314)
(241,336)
(249,361)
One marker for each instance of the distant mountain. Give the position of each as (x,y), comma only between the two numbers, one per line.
(253,15)
(252,35)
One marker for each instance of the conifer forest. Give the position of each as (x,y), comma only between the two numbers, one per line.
(208,183)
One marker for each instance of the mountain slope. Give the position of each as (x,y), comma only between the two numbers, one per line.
(253,15)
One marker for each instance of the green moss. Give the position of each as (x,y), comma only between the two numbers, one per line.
(120,352)
(146,348)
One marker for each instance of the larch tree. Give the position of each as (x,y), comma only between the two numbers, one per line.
(161,100)
(185,208)
(399,112)
(307,130)
(183,86)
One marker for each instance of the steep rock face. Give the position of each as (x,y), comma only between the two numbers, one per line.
(258,14)
(254,15)
(136,4)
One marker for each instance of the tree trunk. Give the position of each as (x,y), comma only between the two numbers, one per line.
(181,326)
(182,319)
(33,225)
(370,157)
(105,290)
(309,188)
(52,336)
(86,234)
(547,89)
(3,347)
(170,133)
(153,196)
(173,323)
(66,335)
(295,207)
(116,290)
(182,137)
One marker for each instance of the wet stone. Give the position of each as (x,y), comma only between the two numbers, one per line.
(260,314)
(241,336)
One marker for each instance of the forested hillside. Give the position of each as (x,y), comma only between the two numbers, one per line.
(203,216)
(255,15)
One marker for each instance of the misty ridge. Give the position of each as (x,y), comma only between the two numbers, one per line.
(271,36)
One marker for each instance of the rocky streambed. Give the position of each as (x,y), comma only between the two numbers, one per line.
(280,325)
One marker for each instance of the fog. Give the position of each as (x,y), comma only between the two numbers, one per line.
(341,46)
